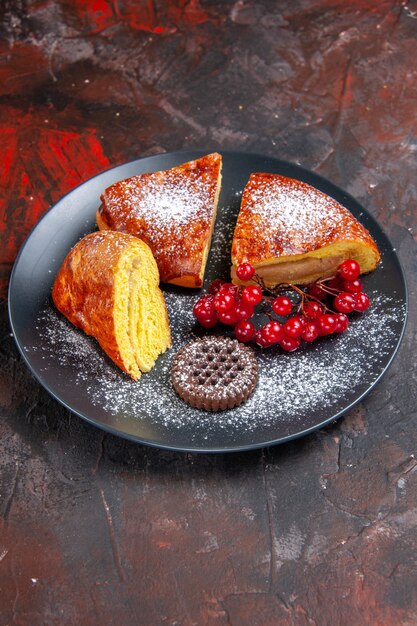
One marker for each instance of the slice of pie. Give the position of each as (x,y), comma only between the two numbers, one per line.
(108,285)
(173,211)
(291,232)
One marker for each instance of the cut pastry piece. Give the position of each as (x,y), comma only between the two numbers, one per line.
(291,232)
(108,287)
(173,211)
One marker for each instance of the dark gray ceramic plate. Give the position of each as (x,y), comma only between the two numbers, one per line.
(297,393)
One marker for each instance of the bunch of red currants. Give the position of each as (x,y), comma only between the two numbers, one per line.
(235,306)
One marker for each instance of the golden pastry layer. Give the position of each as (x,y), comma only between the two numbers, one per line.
(108,285)
(292,232)
(173,211)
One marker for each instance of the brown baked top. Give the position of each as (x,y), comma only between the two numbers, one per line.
(171,210)
(281,217)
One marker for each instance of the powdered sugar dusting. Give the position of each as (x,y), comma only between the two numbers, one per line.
(295,212)
(164,204)
(171,210)
(292,211)
(214,372)
(291,387)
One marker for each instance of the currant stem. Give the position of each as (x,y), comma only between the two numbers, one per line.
(330,290)
(305,296)
(280,287)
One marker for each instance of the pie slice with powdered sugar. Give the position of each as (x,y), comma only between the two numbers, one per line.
(291,232)
(173,211)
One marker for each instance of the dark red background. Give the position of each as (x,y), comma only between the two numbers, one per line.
(97,530)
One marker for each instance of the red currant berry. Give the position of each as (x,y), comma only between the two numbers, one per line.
(223,301)
(349,270)
(342,323)
(326,324)
(230,288)
(312,310)
(282,305)
(207,319)
(215,286)
(205,303)
(207,297)
(273,331)
(293,327)
(245,271)
(244,331)
(261,339)
(362,302)
(244,310)
(252,294)
(228,317)
(344,302)
(352,286)
(315,290)
(289,344)
(310,332)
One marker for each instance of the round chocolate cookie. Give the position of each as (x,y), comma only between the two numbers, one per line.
(214,373)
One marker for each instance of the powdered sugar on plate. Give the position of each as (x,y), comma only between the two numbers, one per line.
(290,387)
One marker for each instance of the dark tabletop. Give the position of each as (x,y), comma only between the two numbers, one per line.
(95,529)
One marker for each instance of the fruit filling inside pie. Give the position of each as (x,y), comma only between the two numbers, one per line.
(290,231)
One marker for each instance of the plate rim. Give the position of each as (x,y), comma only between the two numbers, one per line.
(194,152)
